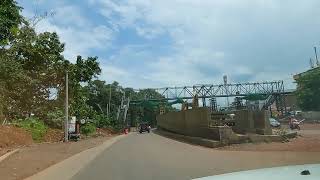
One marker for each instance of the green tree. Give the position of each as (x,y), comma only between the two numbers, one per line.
(12,84)
(99,96)
(32,66)
(10,19)
(308,91)
(82,72)
(40,56)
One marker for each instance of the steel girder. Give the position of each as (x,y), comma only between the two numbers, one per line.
(222,90)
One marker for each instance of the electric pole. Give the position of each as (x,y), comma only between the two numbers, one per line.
(315,52)
(225,81)
(66,123)
(109,107)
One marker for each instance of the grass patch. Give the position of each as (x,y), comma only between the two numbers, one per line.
(36,127)
(88,129)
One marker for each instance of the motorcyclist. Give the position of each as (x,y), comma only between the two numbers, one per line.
(294,123)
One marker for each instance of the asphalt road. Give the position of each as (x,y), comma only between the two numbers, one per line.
(151,156)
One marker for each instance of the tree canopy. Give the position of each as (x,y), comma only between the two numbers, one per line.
(33,68)
(10,19)
(308,90)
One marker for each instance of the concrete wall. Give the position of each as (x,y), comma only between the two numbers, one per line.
(291,101)
(193,122)
(196,121)
(244,121)
(172,121)
(311,115)
(262,122)
(247,121)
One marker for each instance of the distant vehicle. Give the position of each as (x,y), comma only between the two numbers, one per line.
(274,122)
(144,127)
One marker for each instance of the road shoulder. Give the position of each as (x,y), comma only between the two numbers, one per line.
(69,167)
(40,157)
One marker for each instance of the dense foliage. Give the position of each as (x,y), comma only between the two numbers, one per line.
(100,93)
(88,129)
(33,68)
(55,118)
(36,127)
(10,19)
(308,91)
(32,80)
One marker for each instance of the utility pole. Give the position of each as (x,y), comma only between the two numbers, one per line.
(66,123)
(315,52)
(109,101)
(225,81)
(107,110)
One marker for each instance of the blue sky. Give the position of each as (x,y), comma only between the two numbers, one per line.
(156,43)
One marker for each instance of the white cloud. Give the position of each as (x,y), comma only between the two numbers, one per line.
(112,72)
(185,68)
(184,42)
(79,41)
(70,15)
(127,78)
(149,33)
(247,40)
(79,35)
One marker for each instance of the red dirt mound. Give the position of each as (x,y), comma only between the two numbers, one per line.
(13,136)
(105,131)
(53,135)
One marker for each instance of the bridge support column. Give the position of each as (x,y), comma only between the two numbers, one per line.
(213,104)
(204,104)
(280,104)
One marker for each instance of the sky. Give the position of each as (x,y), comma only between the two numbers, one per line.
(159,43)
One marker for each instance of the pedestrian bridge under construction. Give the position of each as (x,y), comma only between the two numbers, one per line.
(273,90)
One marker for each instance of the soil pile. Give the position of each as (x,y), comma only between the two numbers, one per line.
(105,132)
(53,135)
(13,136)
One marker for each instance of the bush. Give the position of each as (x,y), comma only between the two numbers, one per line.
(36,127)
(55,119)
(102,121)
(88,129)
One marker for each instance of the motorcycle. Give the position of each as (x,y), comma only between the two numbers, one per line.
(295,124)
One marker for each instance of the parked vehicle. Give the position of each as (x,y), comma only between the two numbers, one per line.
(297,112)
(274,122)
(144,127)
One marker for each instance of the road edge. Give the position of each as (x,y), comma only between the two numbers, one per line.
(188,139)
(5,156)
(67,168)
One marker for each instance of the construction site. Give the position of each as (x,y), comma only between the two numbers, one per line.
(232,119)
(225,117)
(141,89)
(248,114)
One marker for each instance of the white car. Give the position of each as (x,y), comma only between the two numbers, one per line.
(274,122)
(309,171)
